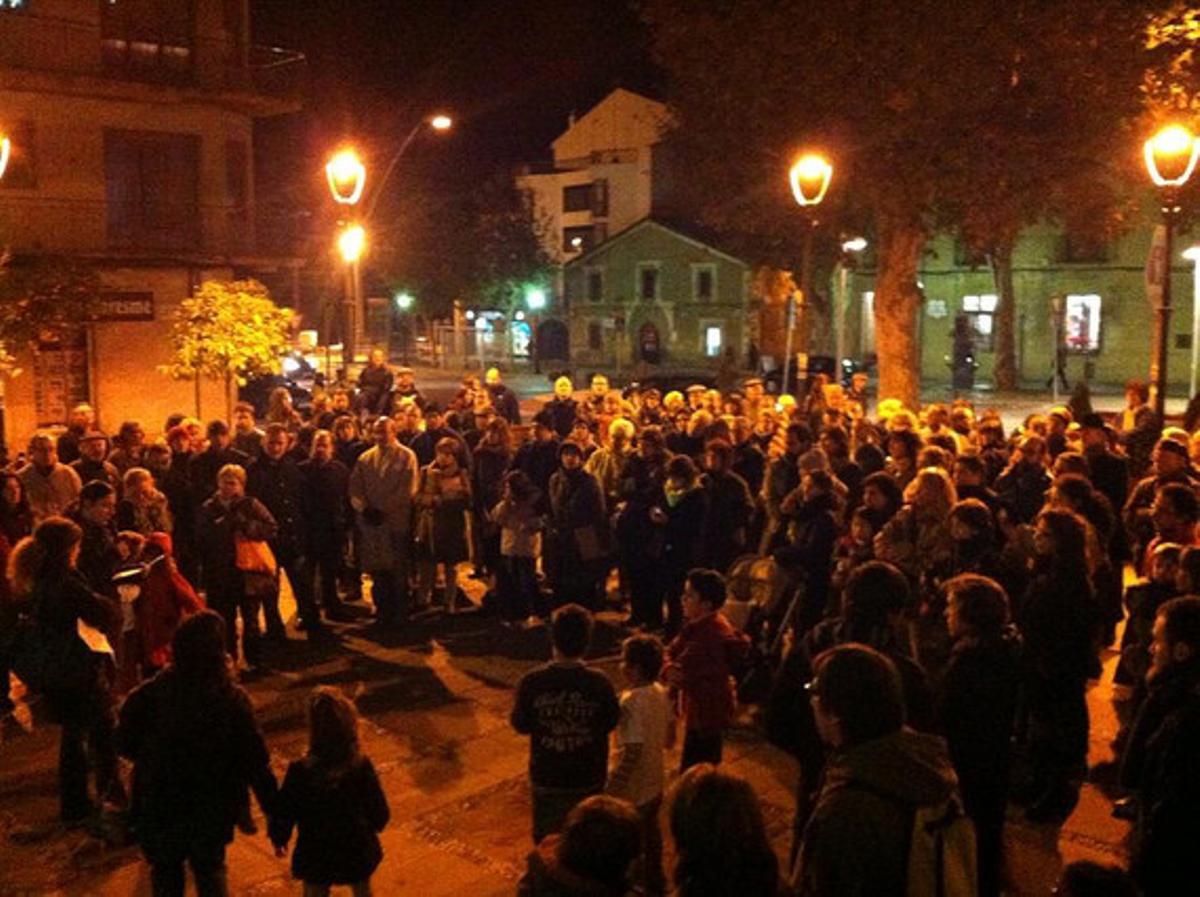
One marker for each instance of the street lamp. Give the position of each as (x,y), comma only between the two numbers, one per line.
(347,177)
(1192,254)
(535,301)
(809,176)
(5,149)
(351,244)
(1170,157)
(440,123)
(850,248)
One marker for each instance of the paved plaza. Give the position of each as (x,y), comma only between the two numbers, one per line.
(435,703)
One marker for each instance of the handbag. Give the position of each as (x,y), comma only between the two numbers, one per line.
(254,556)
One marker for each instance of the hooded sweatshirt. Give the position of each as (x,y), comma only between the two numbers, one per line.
(857,840)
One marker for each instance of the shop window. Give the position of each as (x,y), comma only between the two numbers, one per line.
(1081,324)
(981,315)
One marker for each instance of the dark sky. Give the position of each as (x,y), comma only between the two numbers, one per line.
(509,70)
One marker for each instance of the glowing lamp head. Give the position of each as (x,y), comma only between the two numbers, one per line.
(1192,253)
(347,177)
(5,149)
(352,242)
(855,244)
(441,122)
(810,176)
(1171,156)
(404,301)
(535,298)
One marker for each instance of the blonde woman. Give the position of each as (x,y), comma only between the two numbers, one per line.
(143,509)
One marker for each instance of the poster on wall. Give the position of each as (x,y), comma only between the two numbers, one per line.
(60,380)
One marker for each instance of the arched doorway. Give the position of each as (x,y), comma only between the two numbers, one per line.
(649,344)
(553,340)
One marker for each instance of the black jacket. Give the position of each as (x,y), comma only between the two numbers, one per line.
(325,505)
(562,414)
(338,813)
(538,461)
(727,518)
(217,530)
(280,486)
(204,467)
(504,400)
(195,748)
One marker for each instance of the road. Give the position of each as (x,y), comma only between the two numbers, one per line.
(435,703)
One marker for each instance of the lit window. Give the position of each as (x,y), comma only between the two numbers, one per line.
(712,341)
(981,315)
(1081,324)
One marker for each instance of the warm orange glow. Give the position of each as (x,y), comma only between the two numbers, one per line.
(441,122)
(810,176)
(1171,156)
(352,241)
(5,149)
(347,177)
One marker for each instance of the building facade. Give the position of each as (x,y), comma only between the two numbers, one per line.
(653,295)
(131,125)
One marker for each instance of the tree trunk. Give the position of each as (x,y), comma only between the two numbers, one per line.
(1004,372)
(229,398)
(197,387)
(897,301)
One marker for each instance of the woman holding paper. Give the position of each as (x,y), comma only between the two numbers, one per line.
(71,621)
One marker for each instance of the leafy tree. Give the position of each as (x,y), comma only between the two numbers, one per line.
(895,94)
(43,297)
(228,331)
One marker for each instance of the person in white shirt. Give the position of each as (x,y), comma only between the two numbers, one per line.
(645,731)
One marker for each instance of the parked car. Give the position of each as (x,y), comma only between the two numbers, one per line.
(298,378)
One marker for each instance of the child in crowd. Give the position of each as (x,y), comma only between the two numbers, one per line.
(333,798)
(567,709)
(701,663)
(592,856)
(645,730)
(855,548)
(520,526)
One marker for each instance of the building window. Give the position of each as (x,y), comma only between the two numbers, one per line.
(1077,250)
(704,283)
(712,341)
(577,239)
(1081,323)
(577,198)
(595,335)
(981,315)
(148,40)
(151,186)
(595,285)
(647,282)
(600,198)
(21,173)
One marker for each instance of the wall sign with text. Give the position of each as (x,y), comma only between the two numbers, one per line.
(126,307)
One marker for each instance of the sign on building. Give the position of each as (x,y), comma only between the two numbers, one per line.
(116,306)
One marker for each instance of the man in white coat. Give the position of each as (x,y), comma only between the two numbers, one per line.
(382,486)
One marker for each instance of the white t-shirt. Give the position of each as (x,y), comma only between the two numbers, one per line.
(645,720)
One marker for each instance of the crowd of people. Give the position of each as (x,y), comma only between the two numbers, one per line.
(939,592)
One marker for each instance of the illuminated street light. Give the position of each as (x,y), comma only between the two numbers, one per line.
(850,248)
(5,149)
(404,301)
(809,176)
(347,177)
(535,298)
(854,244)
(441,122)
(1170,156)
(1192,254)
(352,241)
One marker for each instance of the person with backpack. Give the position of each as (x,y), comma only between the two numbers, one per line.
(882,787)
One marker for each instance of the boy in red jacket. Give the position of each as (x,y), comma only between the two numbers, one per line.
(700,665)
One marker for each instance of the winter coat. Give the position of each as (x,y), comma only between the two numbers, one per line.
(489,464)
(166,598)
(505,401)
(810,548)
(641,539)
(51,492)
(1109,474)
(683,535)
(145,516)
(545,876)
(727,520)
(442,500)
(538,461)
(338,813)
(707,652)
(383,483)
(856,842)
(204,466)
(922,549)
(577,518)
(98,557)
(1023,489)
(279,485)
(608,467)
(1059,622)
(375,390)
(218,528)
(325,505)
(562,414)
(88,470)
(195,748)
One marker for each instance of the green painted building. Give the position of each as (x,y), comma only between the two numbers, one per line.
(655,295)
(1106,322)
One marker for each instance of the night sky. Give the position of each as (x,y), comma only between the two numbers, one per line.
(510,71)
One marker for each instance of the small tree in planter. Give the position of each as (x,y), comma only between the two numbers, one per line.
(228,331)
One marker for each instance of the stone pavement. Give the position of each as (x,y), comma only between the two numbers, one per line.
(435,703)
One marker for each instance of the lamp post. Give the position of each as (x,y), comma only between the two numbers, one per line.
(351,243)
(404,304)
(1170,157)
(1192,254)
(850,248)
(439,123)
(535,300)
(1058,307)
(809,176)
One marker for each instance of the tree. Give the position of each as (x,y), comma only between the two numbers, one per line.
(228,331)
(44,297)
(893,92)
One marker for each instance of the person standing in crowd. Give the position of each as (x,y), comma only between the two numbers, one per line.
(333,799)
(1138,426)
(442,503)
(424,444)
(520,525)
(90,463)
(728,507)
(375,386)
(275,481)
(721,843)
(490,461)
(578,542)
(16,522)
(228,518)
(247,437)
(78,689)
(128,447)
(538,458)
(568,710)
(326,506)
(782,478)
(51,487)
(701,661)
(639,527)
(681,518)
(406,388)
(1108,471)
(98,556)
(142,508)
(977,704)
(607,463)
(81,421)
(187,800)
(878,774)
(383,484)
(1169,465)
(204,466)
(1024,483)
(504,400)
(560,412)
